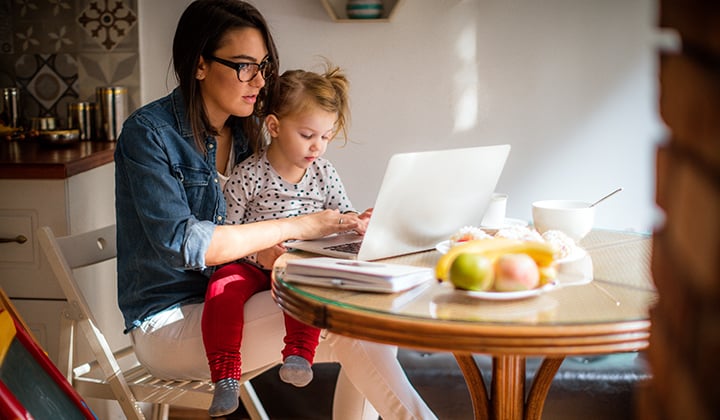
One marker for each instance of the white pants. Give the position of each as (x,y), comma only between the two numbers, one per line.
(170,345)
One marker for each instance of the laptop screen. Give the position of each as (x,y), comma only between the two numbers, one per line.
(424,198)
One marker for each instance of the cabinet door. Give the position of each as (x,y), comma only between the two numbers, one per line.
(27,205)
(43,319)
(77,204)
(17,228)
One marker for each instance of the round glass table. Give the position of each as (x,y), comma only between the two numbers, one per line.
(600,306)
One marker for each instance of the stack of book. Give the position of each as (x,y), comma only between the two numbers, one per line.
(356,275)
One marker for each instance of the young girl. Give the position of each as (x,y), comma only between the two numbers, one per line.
(288,178)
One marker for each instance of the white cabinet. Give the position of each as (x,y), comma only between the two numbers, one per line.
(74,204)
(78,203)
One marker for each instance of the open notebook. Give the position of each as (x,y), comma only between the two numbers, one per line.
(424,198)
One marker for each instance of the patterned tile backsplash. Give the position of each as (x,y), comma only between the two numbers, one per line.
(58,51)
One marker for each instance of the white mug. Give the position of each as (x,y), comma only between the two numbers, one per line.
(495,214)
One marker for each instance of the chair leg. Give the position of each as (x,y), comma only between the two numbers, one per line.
(160,412)
(67,345)
(252,403)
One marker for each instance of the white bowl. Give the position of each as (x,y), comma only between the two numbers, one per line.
(574,218)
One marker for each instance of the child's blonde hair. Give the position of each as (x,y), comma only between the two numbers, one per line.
(299,90)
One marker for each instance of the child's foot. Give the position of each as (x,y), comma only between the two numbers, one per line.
(225,397)
(296,370)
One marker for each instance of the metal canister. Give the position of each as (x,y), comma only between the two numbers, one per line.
(113,107)
(9,112)
(81,116)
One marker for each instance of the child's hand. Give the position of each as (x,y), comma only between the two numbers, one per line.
(266,258)
(322,223)
(362,220)
(366,214)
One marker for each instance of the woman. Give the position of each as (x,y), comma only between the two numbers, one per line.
(171,159)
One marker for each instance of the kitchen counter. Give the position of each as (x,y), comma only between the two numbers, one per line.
(30,159)
(70,189)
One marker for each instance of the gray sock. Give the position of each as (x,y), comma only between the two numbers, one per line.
(296,371)
(225,397)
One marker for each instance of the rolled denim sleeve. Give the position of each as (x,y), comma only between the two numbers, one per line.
(197,240)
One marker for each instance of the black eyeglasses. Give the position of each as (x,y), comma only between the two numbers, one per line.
(246,71)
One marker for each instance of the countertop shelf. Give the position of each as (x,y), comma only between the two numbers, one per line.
(30,159)
(336,10)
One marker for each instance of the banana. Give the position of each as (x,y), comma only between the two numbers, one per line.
(547,274)
(541,252)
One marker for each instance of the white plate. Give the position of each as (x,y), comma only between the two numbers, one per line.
(506,224)
(575,255)
(523,294)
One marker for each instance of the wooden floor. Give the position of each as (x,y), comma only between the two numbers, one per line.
(282,401)
(591,396)
(187,414)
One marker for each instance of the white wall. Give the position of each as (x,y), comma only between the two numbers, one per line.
(570,84)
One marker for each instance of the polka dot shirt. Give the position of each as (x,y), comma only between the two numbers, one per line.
(255,192)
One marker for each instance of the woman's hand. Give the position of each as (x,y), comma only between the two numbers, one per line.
(231,242)
(266,258)
(323,223)
(362,220)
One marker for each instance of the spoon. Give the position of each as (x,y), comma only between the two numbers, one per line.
(606,197)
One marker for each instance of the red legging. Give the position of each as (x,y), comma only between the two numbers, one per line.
(223,318)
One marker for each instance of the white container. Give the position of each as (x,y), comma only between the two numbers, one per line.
(495,214)
(574,218)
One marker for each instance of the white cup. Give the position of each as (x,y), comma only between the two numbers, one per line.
(495,214)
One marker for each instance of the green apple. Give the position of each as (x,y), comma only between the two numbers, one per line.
(470,271)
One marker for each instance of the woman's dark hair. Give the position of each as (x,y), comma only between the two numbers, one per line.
(199,32)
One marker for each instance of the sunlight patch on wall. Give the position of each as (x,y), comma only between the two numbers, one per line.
(466,80)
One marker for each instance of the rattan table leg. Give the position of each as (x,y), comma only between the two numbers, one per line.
(475,384)
(540,387)
(508,388)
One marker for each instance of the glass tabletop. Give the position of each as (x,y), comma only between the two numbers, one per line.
(617,288)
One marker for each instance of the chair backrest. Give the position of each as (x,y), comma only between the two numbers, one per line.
(75,251)
(88,248)
(132,384)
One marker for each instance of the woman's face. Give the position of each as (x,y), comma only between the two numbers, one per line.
(222,92)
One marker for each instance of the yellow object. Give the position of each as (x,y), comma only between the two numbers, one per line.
(547,274)
(7,333)
(493,248)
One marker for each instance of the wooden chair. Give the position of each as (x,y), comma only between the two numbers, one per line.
(107,377)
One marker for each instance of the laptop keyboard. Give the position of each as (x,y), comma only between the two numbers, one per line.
(350,247)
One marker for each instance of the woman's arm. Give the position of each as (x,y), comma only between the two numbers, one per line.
(231,242)
(245,186)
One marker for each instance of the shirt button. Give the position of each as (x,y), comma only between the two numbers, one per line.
(210,146)
(216,180)
(219,218)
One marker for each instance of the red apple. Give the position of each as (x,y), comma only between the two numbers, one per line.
(515,272)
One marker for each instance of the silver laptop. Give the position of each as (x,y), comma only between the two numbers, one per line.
(424,198)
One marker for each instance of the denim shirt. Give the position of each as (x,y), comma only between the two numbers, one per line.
(168,200)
